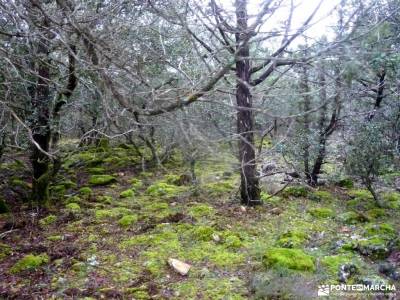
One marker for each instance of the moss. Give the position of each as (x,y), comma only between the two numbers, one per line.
(55,238)
(392,199)
(374,247)
(104,199)
(220,257)
(136,183)
(360,194)
(321,212)
(101,214)
(294,259)
(172,179)
(232,241)
(5,251)
(101,179)
(160,189)
(321,196)
(3,206)
(375,213)
(266,198)
(73,207)
(352,217)
(50,219)
(346,183)
(292,239)
(219,188)
(127,194)
(201,210)
(334,262)
(382,230)
(202,233)
(58,190)
(16,182)
(96,170)
(85,191)
(295,191)
(127,220)
(29,262)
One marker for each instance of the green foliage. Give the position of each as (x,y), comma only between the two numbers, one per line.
(85,191)
(136,183)
(202,233)
(334,262)
(383,230)
(295,191)
(127,194)
(219,188)
(346,183)
(73,207)
(321,212)
(294,259)
(50,219)
(321,196)
(161,188)
(127,220)
(375,213)
(352,217)
(292,239)
(101,179)
(29,262)
(201,210)
(5,251)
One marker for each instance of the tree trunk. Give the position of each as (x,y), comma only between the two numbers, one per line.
(40,125)
(249,185)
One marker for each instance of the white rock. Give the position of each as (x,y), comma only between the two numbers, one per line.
(243,208)
(216,237)
(179,266)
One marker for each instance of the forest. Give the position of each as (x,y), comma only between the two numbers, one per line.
(199,149)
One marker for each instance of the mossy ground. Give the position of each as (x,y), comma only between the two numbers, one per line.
(101,244)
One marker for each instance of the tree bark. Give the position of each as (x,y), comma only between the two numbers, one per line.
(40,124)
(249,185)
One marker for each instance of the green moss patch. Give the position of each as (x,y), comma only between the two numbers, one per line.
(29,262)
(321,212)
(127,194)
(127,220)
(334,262)
(50,219)
(201,210)
(85,191)
(352,217)
(5,251)
(295,191)
(73,207)
(321,196)
(292,239)
(101,179)
(160,189)
(294,259)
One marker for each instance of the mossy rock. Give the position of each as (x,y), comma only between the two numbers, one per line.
(5,251)
(101,179)
(374,247)
(85,191)
(321,212)
(232,242)
(292,239)
(29,262)
(73,207)
(50,219)
(294,259)
(127,220)
(201,210)
(352,217)
(105,199)
(101,214)
(334,262)
(129,193)
(295,191)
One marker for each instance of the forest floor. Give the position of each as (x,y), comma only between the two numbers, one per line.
(112,228)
